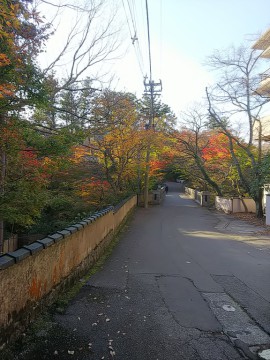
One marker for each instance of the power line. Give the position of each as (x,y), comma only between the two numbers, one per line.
(161,37)
(127,18)
(139,57)
(151,86)
(149,43)
(133,33)
(132,16)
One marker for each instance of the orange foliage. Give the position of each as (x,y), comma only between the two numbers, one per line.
(93,191)
(157,165)
(94,185)
(21,38)
(4,60)
(217,148)
(32,167)
(79,154)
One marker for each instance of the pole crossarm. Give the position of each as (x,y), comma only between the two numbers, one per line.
(152,87)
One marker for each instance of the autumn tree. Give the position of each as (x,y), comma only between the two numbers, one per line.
(22,35)
(235,98)
(26,179)
(119,138)
(192,141)
(158,119)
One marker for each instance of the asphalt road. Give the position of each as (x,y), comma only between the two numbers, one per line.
(176,287)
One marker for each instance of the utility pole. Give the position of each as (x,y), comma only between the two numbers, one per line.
(152,89)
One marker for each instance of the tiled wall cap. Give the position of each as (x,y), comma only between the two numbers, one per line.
(64,232)
(46,242)
(72,229)
(19,254)
(34,247)
(6,261)
(84,223)
(56,237)
(78,226)
(92,218)
(89,220)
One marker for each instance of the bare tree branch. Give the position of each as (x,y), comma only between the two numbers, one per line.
(91,40)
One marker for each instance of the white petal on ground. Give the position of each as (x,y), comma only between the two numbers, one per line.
(228,308)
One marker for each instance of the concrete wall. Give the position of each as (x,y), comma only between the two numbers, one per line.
(155,197)
(223,204)
(244,205)
(235,205)
(121,211)
(31,276)
(228,205)
(190,192)
(204,198)
(267,210)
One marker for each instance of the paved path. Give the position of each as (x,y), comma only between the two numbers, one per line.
(178,286)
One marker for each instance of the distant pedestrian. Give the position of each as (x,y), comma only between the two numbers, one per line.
(166,189)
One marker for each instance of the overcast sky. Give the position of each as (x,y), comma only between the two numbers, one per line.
(183,33)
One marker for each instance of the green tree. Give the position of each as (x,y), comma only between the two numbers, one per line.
(164,118)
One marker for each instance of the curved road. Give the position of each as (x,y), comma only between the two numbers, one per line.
(175,288)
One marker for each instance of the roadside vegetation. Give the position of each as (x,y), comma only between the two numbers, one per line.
(69,147)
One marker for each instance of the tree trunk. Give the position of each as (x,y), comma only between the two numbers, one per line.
(146,177)
(207,177)
(1,236)
(259,207)
(3,169)
(2,189)
(258,201)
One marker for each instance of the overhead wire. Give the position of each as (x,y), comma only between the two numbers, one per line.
(132,14)
(148,40)
(127,18)
(133,33)
(161,38)
(136,42)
